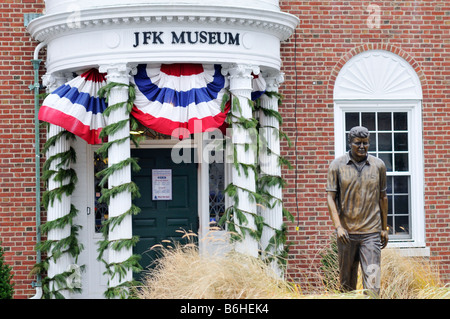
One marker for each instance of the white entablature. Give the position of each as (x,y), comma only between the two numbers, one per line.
(82,34)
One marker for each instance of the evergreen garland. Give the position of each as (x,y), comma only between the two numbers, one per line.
(238,230)
(132,263)
(66,177)
(279,239)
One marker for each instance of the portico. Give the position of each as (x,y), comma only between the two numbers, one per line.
(241,40)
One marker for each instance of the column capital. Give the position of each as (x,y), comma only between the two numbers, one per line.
(240,75)
(273,80)
(52,81)
(239,70)
(118,72)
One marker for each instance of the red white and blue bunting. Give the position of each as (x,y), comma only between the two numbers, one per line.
(171,99)
(76,107)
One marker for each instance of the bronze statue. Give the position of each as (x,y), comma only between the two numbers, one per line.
(358,206)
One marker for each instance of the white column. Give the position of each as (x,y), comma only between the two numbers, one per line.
(269,165)
(240,77)
(59,207)
(121,203)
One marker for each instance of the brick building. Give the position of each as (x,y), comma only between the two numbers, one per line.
(329,35)
(383,64)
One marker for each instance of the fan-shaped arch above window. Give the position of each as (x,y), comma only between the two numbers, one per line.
(377,75)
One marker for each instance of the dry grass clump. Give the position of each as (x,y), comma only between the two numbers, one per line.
(401,277)
(409,277)
(183,273)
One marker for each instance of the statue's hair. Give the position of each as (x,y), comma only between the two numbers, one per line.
(358,131)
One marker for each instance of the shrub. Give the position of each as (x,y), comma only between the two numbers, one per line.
(6,287)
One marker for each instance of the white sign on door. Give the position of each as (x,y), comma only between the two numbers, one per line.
(161,184)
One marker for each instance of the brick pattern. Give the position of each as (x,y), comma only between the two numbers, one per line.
(329,34)
(17,154)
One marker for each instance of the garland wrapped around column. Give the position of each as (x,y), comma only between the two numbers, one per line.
(241,195)
(235,218)
(270,182)
(61,180)
(118,271)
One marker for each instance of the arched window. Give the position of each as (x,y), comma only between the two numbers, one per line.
(381,91)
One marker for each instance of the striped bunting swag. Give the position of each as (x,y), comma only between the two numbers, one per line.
(173,98)
(76,107)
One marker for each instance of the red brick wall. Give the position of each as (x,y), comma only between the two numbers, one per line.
(17,172)
(329,34)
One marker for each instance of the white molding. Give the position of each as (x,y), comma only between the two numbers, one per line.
(105,35)
(377,75)
(51,25)
(410,251)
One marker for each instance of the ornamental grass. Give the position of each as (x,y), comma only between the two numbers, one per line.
(183,273)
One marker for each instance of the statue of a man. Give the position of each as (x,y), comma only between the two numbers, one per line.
(358,206)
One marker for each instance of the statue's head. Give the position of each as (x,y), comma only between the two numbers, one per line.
(358,140)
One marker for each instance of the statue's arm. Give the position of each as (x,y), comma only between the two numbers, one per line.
(384,213)
(332,208)
(383,207)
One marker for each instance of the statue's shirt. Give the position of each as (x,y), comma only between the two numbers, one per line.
(358,187)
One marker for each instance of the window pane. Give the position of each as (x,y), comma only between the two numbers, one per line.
(387,159)
(401,162)
(101,209)
(373,142)
(384,122)
(368,121)
(401,184)
(390,225)
(385,142)
(401,225)
(401,204)
(401,141)
(389,184)
(389,205)
(216,196)
(351,120)
(400,121)
(347,147)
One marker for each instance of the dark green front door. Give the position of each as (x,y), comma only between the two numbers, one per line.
(160,219)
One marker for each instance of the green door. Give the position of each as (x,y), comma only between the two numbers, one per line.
(160,219)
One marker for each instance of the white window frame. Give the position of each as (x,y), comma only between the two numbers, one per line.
(414,110)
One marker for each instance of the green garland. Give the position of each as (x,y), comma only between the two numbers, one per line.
(279,239)
(232,214)
(132,263)
(56,248)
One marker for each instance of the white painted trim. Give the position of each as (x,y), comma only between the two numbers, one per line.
(108,35)
(411,251)
(377,75)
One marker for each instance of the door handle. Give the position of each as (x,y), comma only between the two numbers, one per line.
(88,210)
